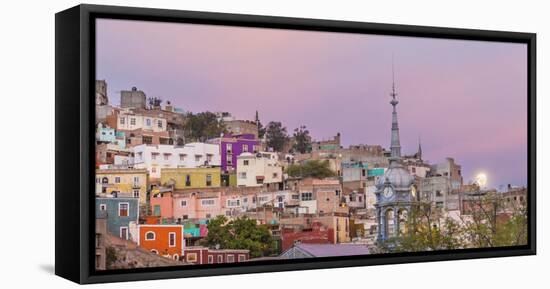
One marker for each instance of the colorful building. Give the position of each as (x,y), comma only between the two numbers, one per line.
(257,169)
(118,212)
(191,155)
(231,146)
(132,182)
(164,240)
(203,255)
(190,178)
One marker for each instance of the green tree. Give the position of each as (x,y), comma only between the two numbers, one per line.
(276,135)
(424,228)
(240,233)
(302,140)
(493,222)
(312,168)
(202,126)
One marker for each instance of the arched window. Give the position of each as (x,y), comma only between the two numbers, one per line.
(154,251)
(403,218)
(389,225)
(105,180)
(150,236)
(176,257)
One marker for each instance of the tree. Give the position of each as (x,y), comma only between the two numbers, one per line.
(276,135)
(424,228)
(313,168)
(240,233)
(492,222)
(202,126)
(154,102)
(302,140)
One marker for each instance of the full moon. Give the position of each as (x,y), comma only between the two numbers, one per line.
(481,179)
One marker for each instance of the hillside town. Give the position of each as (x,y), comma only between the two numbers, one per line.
(176,188)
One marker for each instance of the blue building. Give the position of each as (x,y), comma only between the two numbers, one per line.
(118,212)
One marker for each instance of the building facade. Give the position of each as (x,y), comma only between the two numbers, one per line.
(164,240)
(257,169)
(190,178)
(132,182)
(119,213)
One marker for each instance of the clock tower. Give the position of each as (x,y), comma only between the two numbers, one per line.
(395,190)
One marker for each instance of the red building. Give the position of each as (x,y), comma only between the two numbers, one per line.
(316,234)
(203,255)
(165,240)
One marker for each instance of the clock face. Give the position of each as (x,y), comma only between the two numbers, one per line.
(388,192)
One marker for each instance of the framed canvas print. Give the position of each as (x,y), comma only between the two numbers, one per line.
(195,144)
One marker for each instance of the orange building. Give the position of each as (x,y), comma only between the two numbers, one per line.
(165,240)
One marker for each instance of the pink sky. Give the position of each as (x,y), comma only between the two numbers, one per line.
(465,99)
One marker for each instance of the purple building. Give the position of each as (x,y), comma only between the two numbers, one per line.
(231,146)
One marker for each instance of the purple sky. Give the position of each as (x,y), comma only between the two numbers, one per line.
(465,99)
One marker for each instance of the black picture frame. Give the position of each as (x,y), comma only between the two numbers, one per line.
(74,90)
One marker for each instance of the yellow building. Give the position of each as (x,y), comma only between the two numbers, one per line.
(189,178)
(126,181)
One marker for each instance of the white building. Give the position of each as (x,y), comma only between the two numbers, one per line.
(155,157)
(130,121)
(254,170)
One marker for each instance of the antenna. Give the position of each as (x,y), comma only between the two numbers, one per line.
(393,94)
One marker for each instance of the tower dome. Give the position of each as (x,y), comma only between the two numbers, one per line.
(397,176)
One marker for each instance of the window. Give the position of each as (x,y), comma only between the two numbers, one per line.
(97,240)
(123,209)
(209,157)
(154,251)
(187,180)
(233,203)
(228,148)
(154,156)
(208,180)
(159,123)
(230,258)
(245,148)
(363,172)
(337,192)
(242,175)
(136,193)
(124,233)
(275,175)
(198,158)
(229,160)
(220,258)
(242,258)
(167,156)
(191,257)
(122,120)
(132,121)
(413,169)
(117,180)
(103,207)
(183,203)
(295,197)
(210,259)
(136,180)
(439,205)
(182,157)
(148,121)
(147,139)
(172,239)
(438,193)
(176,257)
(105,180)
(245,200)
(150,236)
(307,196)
(208,202)
(245,163)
